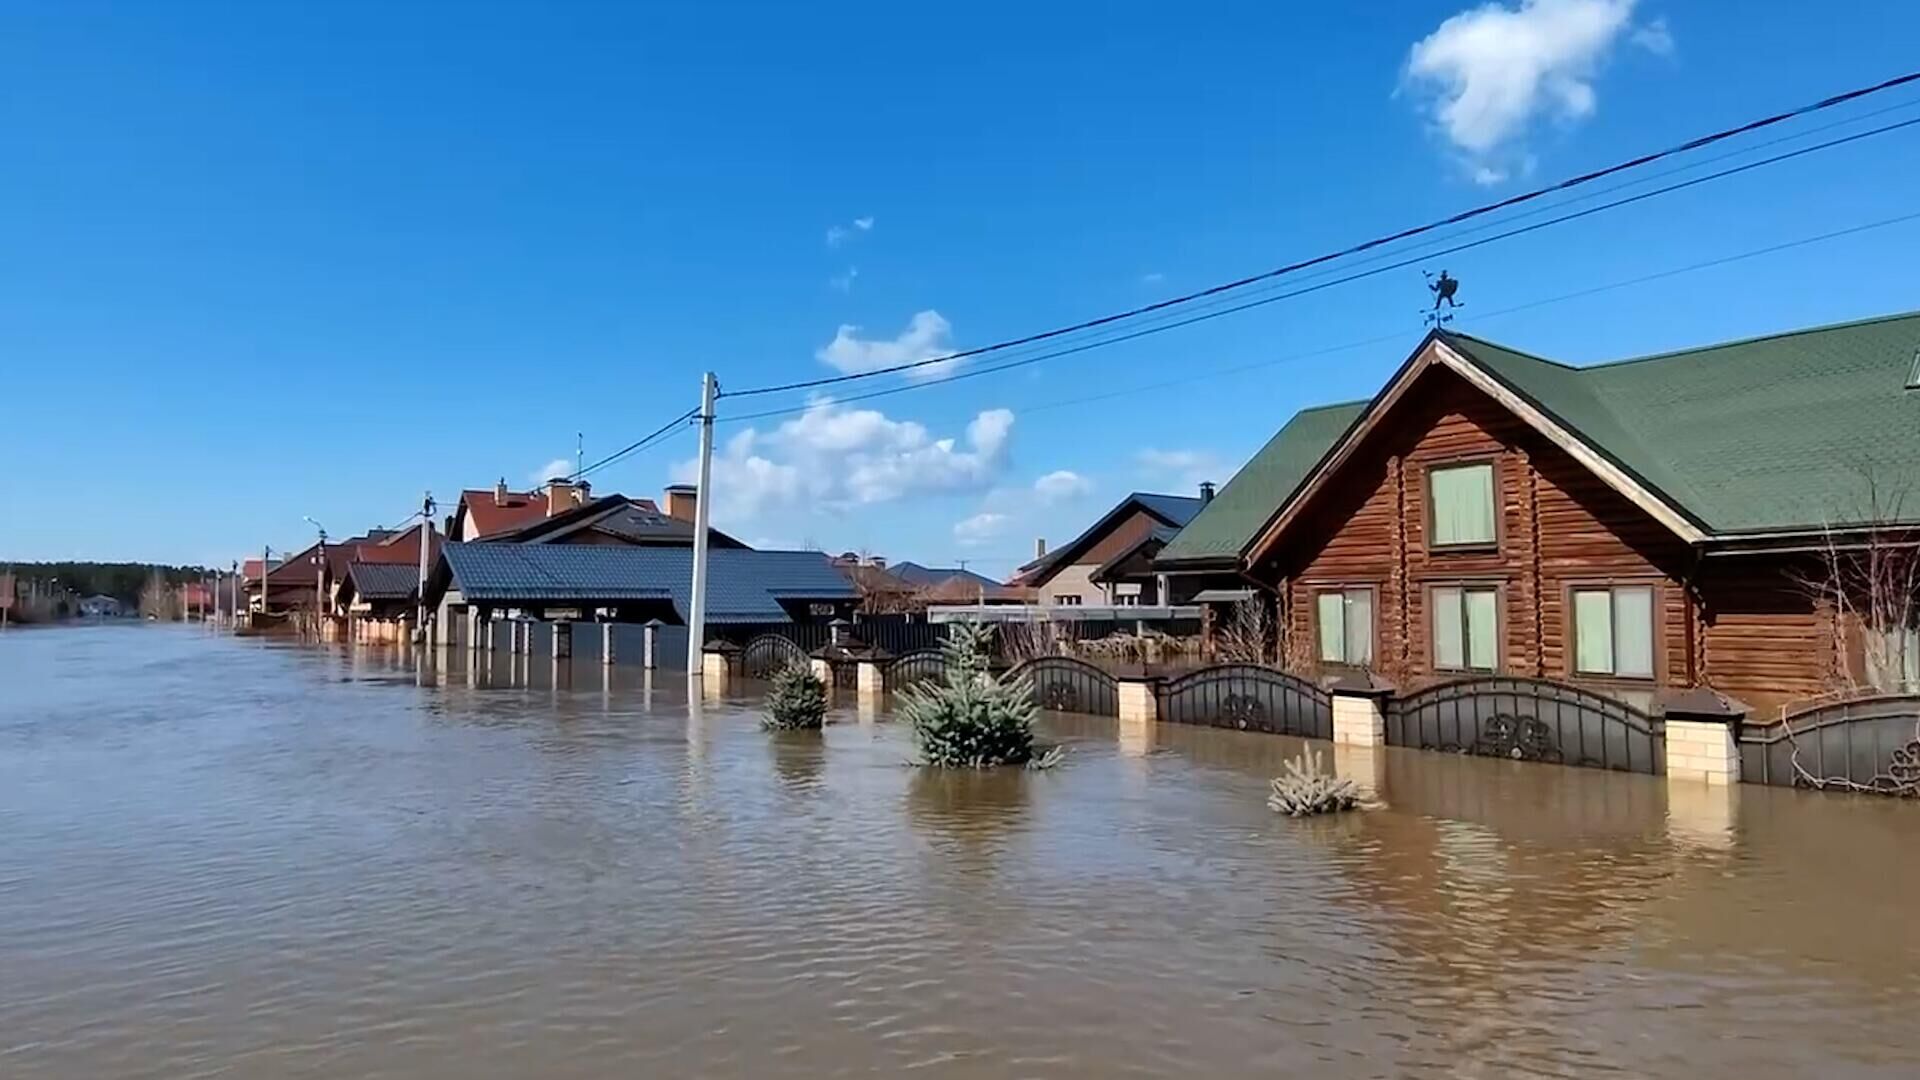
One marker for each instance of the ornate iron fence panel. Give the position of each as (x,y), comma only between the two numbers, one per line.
(1869,745)
(766,654)
(1529,720)
(916,666)
(1251,698)
(1064,684)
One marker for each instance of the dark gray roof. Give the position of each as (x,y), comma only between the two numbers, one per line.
(914,574)
(383,581)
(1175,510)
(744,585)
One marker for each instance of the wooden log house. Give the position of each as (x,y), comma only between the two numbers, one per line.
(1641,526)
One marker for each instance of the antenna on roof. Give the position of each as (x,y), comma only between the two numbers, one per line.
(1443,289)
(579,453)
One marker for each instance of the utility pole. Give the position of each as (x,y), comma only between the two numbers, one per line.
(233,594)
(266,555)
(319,580)
(426,541)
(702,506)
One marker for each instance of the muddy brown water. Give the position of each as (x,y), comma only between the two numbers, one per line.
(242,858)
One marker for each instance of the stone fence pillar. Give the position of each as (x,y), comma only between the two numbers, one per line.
(716,665)
(870,678)
(1702,733)
(1360,712)
(1139,698)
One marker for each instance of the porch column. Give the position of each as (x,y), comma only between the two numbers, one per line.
(563,641)
(1359,712)
(473,628)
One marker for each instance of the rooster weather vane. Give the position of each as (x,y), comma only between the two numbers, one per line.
(1443,289)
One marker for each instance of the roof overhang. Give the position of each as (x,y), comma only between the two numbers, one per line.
(1435,352)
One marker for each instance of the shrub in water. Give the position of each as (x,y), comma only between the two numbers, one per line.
(1306,790)
(796,700)
(970,718)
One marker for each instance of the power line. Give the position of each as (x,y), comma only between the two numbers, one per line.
(1530,305)
(637,445)
(1465,215)
(1206,316)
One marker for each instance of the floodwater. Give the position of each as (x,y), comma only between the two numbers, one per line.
(226,857)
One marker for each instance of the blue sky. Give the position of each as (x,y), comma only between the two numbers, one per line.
(263,262)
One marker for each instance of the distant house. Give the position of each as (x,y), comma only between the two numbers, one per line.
(1142,521)
(100,607)
(911,587)
(481,513)
(635,584)
(1657,523)
(618,521)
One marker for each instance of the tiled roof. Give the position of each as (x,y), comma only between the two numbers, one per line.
(914,574)
(520,509)
(383,581)
(744,585)
(1780,433)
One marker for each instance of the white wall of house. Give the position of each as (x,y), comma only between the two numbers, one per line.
(1073,580)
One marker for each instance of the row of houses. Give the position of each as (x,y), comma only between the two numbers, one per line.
(1738,517)
(1741,517)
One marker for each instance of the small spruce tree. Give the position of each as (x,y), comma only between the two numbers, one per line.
(796,701)
(970,718)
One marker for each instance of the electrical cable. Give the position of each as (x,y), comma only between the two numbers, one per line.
(1465,215)
(637,445)
(1344,279)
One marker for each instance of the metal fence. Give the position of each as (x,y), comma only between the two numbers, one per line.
(764,655)
(1870,745)
(1529,720)
(916,666)
(1249,697)
(1064,684)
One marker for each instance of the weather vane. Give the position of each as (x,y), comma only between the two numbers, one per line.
(1443,289)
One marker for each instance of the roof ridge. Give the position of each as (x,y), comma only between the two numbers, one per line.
(1478,340)
(1674,354)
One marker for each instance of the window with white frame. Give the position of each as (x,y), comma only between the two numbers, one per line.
(1461,505)
(1466,627)
(1067,600)
(1345,618)
(1613,631)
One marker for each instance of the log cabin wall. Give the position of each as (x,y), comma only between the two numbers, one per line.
(1558,526)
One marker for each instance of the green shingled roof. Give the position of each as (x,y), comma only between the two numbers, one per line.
(1769,434)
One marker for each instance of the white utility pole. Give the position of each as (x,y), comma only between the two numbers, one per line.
(426,541)
(233,597)
(266,553)
(702,505)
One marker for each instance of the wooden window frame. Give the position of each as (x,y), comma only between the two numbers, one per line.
(1570,630)
(1315,590)
(1498,586)
(1476,547)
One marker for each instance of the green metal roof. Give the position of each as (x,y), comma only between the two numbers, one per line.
(1786,432)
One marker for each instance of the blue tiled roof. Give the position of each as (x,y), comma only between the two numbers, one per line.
(743,585)
(383,581)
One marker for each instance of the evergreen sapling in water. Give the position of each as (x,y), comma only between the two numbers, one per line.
(796,701)
(970,718)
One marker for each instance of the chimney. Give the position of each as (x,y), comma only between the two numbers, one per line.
(1206,492)
(562,496)
(681,500)
(1040,547)
(500,492)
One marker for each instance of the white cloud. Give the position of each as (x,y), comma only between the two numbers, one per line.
(925,338)
(836,457)
(1061,485)
(979,528)
(1489,72)
(844,282)
(557,467)
(1655,37)
(839,234)
(1181,470)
